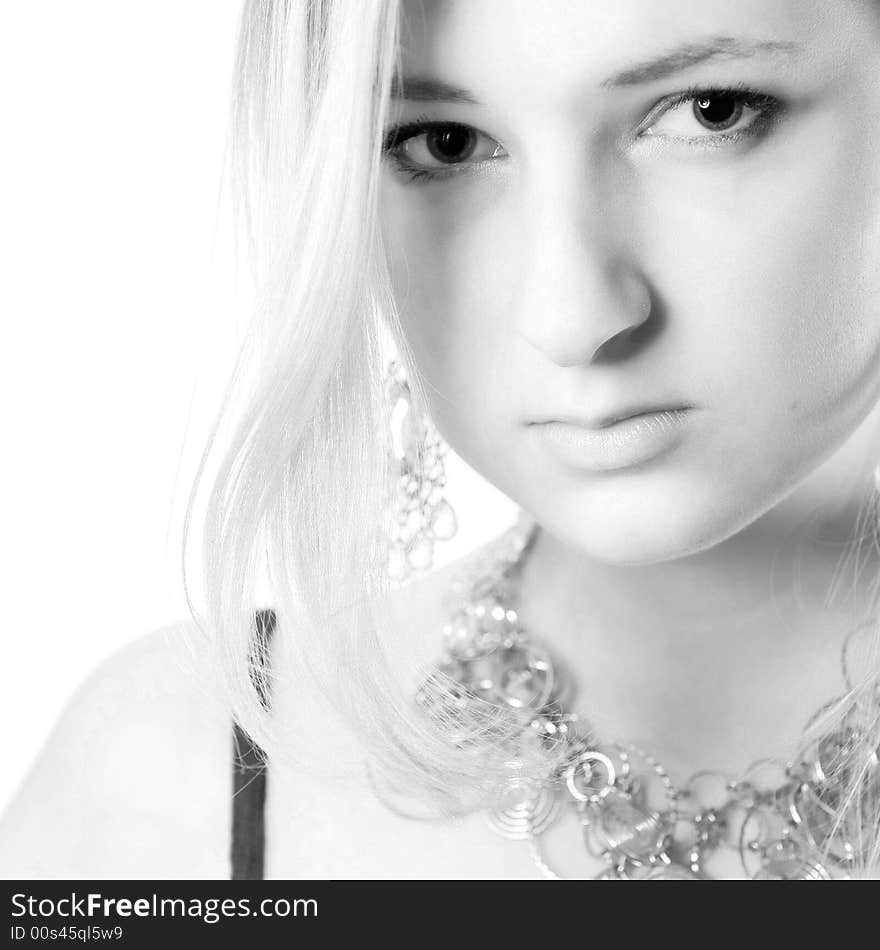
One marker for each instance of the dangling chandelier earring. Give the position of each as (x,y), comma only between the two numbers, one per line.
(421,513)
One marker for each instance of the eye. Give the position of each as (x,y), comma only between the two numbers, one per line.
(713,114)
(439,147)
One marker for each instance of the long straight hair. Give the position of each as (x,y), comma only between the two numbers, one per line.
(302,484)
(303,479)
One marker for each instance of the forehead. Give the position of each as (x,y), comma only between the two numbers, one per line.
(529,45)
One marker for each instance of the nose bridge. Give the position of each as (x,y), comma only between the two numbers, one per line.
(580,283)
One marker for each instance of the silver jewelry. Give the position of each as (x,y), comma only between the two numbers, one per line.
(421,514)
(780,818)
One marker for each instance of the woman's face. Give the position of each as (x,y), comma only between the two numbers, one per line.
(590,209)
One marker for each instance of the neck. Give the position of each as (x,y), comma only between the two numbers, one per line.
(729,650)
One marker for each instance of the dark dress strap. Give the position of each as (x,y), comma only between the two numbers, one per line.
(249,775)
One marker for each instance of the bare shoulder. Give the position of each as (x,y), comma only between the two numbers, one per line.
(133,780)
(436,591)
(423,605)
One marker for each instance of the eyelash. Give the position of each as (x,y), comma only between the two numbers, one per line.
(768,107)
(399,134)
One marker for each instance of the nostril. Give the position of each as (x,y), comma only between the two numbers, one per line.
(633,339)
(625,344)
(618,348)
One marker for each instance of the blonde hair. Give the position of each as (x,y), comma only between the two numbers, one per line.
(303,479)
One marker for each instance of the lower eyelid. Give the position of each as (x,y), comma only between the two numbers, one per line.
(761,125)
(708,133)
(442,171)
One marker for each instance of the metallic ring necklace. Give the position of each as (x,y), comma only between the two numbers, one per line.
(781,819)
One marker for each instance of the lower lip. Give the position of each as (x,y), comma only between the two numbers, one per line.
(627,443)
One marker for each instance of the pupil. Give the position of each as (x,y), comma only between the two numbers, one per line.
(716,112)
(451,144)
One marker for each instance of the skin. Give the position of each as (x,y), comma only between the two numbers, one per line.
(598,259)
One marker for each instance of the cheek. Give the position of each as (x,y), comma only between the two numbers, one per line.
(449,252)
(771,282)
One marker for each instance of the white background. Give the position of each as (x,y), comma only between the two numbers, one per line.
(120,311)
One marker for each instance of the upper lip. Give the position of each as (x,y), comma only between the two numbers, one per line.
(609,418)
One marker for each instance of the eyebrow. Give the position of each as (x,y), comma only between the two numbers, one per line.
(686,57)
(419,89)
(423,89)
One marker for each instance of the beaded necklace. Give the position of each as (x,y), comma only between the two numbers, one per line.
(780,818)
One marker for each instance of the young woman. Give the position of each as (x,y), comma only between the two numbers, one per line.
(625,255)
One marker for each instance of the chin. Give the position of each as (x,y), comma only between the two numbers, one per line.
(618,546)
(649,528)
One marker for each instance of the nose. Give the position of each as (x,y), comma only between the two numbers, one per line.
(579,287)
